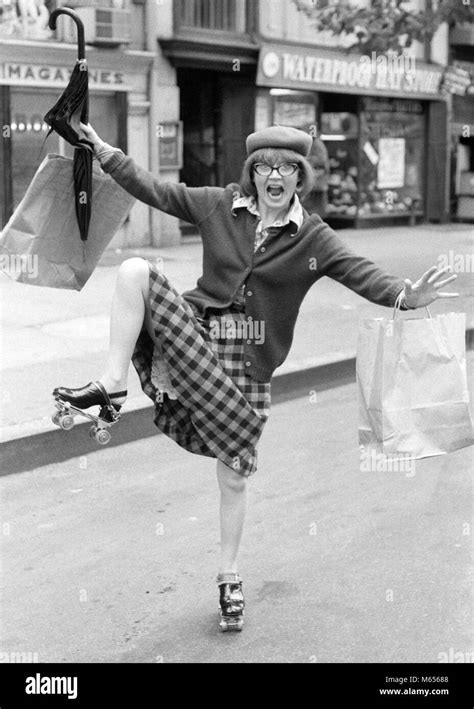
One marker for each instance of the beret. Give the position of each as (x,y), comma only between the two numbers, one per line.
(280,137)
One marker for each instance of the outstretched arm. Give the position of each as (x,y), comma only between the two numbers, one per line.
(370,281)
(192,204)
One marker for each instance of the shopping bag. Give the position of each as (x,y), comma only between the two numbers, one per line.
(412,386)
(41,244)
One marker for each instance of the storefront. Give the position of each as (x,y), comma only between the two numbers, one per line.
(32,77)
(381,120)
(215,57)
(462,148)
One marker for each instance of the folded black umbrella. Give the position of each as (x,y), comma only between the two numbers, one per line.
(64,117)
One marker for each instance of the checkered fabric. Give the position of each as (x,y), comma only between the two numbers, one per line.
(220,411)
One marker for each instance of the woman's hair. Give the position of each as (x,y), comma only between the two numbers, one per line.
(275,156)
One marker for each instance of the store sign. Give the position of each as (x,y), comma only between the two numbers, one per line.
(319,69)
(19,74)
(469,67)
(456,80)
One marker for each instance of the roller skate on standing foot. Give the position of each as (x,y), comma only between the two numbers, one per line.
(231,601)
(72,402)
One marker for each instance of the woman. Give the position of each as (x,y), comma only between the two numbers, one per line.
(206,357)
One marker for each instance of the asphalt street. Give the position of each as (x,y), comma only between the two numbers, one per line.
(111,556)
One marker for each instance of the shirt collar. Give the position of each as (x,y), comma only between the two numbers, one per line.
(294,214)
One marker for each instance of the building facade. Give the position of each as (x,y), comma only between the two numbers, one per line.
(243,65)
(35,66)
(195,77)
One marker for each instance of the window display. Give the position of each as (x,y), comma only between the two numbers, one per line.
(293,108)
(339,132)
(392,157)
(376,149)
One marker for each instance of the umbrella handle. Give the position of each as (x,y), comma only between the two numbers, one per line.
(81,45)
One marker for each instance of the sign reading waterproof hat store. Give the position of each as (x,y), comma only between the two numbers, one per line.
(291,67)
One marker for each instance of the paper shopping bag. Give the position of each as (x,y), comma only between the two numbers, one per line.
(412,386)
(41,244)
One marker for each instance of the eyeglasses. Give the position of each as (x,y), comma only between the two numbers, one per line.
(285,169)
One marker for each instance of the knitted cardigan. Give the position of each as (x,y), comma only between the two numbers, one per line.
(276,277)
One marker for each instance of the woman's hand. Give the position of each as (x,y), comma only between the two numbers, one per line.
(91,135)
(426,289)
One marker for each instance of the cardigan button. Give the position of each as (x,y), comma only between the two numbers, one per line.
(262,249)
(247,364)
(249,292)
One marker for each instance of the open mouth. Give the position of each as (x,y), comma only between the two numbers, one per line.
(275,191)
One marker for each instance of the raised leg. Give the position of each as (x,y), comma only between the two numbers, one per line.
(127,317)
(126,321)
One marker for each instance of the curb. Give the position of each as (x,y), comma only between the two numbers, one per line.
(52,446)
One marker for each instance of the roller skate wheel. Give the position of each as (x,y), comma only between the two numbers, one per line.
(55,419)
(66,422)
(232,624)
(92,432)
(102,437)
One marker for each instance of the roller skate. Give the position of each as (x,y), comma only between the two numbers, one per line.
(71,402)
(231,601)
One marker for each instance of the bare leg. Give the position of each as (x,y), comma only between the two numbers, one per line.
(126,321)
(233,488)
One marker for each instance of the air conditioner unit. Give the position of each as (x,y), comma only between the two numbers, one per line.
(102,26)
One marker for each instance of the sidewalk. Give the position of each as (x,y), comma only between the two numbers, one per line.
(53,337)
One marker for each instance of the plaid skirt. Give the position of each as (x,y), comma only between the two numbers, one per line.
(203,399)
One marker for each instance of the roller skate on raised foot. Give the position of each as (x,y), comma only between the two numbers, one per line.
(72,402)
(231,601)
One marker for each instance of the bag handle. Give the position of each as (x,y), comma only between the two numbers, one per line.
(397,306)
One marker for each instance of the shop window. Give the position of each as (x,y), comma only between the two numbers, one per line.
(340,133)
(392,157)
(376,156)
(29,132)
(294,108)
